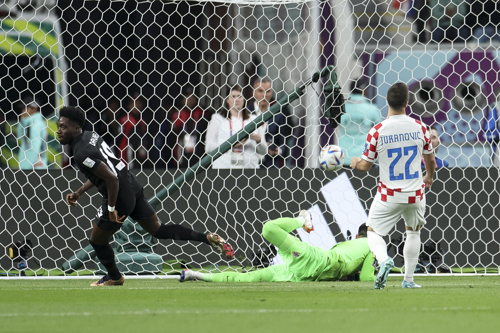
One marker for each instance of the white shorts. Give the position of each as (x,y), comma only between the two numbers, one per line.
(383,215)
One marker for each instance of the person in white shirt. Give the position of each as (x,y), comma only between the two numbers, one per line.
(246,154)
(399,143)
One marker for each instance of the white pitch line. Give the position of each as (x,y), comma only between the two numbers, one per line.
(172,277)
(204,285)
(230,311)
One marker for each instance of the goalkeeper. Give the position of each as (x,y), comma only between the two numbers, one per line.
(303,262)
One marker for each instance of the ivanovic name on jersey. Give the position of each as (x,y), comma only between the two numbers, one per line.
(385,139)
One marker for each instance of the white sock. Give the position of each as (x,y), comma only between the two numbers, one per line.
(410,253)
(301,221)
(377,246)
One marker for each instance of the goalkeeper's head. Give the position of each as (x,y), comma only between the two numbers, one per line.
(362,231)
(70,124)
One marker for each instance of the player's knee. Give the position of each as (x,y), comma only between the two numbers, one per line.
(151,225)
(96,246)
(267,230)
(104,252)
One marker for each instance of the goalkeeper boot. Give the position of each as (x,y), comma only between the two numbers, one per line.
(106,281)
(410,285)
(188,275)
(308,224)
(220,245)
(383,272)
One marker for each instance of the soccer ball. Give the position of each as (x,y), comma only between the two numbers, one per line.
(331,158)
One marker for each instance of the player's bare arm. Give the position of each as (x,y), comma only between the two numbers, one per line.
(73,197)
(112,185)
(360,164)
(430,167)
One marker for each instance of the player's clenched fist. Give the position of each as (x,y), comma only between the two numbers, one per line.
(72,198)
(354,162)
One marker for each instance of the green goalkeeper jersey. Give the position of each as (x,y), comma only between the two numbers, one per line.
(311,263)
(350,257)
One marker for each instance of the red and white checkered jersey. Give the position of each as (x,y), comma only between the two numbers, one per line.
(399,142)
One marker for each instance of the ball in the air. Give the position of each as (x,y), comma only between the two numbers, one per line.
(331,158)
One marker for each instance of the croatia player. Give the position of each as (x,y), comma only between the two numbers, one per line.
(399,143)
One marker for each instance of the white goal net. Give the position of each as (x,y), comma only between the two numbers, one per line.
(150,76)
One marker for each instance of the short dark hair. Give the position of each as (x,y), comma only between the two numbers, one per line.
(260,80)
(73,113)
(363,230)
(397,96)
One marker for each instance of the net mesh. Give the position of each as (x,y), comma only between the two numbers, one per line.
(150,75)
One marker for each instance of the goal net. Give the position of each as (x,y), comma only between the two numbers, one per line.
(151,75)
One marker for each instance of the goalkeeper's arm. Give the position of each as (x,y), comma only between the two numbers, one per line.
(368,270)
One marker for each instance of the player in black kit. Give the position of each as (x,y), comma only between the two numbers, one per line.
(122,193)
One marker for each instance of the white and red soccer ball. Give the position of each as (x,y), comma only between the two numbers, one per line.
(331,158)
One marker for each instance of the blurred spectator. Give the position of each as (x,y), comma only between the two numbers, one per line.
(2,140)
(108,126)
(165,140)
(134,140)
(492,130)
(227,122)
(484,18)
(435,145)
(32,133)
(448,18)
(360,116)
(421,13)
(277,128)
(189,126)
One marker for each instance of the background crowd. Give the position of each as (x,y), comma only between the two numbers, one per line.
(180,133)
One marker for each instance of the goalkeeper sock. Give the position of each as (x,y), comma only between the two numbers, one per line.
(178,232)
(377,246)
(410,253)
(107,257)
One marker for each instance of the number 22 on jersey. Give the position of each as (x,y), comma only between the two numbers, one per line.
(397,154)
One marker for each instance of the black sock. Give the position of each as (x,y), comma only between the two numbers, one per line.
(107,257)
(178,232)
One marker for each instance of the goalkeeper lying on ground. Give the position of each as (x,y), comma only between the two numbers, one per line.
(303,262)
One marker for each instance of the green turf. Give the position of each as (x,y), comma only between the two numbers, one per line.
(445,304)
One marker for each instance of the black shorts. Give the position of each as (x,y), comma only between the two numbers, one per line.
(137,207)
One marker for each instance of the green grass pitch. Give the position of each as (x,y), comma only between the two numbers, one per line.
(445,304)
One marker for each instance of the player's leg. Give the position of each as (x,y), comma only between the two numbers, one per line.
(160,230)
(414,219)
(145,215)
(381,219)
(277,232)
(102,232)
(261,275)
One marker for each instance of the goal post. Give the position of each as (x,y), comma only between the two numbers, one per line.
(150,75)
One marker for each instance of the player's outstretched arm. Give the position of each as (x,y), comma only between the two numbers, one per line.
(73,197)
(368,270)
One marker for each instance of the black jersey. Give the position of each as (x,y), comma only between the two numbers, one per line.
(89,151)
